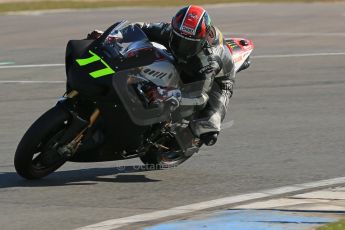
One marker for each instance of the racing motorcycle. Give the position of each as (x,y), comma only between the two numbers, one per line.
(120,103)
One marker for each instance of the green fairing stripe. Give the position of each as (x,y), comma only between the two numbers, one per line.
(98,73)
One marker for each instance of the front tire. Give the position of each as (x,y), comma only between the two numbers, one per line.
(34,157)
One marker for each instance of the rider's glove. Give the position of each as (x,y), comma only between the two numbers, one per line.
(94,34)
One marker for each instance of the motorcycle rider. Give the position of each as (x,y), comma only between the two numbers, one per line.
(201,54)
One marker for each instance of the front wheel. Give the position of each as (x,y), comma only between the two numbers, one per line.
(35,157)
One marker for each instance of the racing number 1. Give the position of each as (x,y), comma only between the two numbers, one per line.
(94,58)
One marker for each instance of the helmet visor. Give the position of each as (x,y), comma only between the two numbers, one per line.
(184,47)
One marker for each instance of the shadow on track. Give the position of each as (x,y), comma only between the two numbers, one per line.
(78,177)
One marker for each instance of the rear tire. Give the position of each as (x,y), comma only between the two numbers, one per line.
(31,156)
(159,158)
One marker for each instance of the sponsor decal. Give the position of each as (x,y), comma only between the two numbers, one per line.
(238,59)
(154,73)
(107,70)
(187,30)
(193,16)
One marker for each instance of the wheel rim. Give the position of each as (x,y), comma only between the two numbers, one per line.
(44,157)
(170,158)
(171,155)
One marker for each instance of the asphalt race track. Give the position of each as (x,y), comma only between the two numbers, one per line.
(287,112)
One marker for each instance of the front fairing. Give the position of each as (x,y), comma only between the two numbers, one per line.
(128,84)
(123,60)
(91,67)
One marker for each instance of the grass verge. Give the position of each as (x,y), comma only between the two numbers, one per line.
(48,5)
(340,225)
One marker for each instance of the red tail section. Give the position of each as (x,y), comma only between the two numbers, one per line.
(240,49)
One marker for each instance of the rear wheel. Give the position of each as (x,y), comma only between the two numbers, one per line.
(35,156)
(165,154)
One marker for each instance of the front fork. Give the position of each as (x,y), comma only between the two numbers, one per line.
(70,141)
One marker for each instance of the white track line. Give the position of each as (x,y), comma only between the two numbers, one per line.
(32,82)
(297,55)
(62,65)
(121,222)
(254,57)
(30,66)
(286,34)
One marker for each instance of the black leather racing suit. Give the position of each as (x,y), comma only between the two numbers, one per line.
(213,64)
